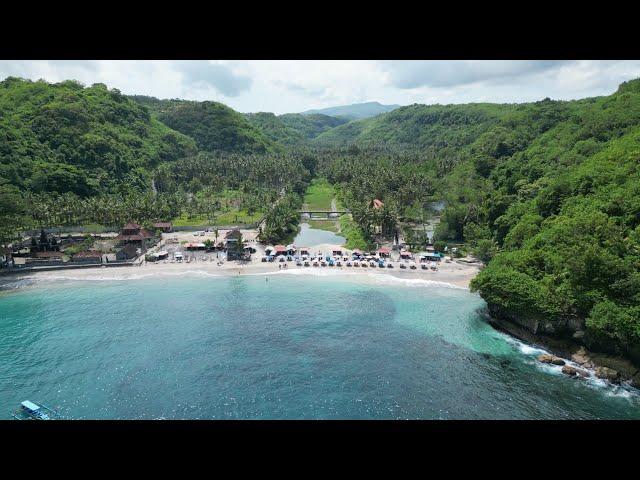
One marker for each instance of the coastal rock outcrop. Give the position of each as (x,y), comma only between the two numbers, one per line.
(573,371)
(548,358)
(582,358)
(608,374)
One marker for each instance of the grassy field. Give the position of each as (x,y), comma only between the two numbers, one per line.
(350,230)
(319,195)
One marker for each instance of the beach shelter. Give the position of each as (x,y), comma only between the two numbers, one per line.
(405,254)
(280,249)
(384,251)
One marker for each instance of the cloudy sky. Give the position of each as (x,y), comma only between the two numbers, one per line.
(293,86)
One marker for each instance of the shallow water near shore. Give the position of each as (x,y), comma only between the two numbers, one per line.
(276,346)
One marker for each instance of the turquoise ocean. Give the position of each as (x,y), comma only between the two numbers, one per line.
(276,346)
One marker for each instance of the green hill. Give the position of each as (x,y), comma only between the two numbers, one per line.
(419,126)
(65,137)
(214,126)
(293,129)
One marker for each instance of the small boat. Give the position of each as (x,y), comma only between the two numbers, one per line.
(34,411)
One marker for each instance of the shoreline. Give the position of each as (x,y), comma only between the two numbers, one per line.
(452,274)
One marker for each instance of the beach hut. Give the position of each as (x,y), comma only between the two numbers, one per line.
(405,254)
(432,257)
(280,250)
(384,252)
(164,227)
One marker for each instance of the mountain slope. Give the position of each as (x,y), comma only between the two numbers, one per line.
(64,137)
(419,126)
(354,111)
(293,128)
(215,126)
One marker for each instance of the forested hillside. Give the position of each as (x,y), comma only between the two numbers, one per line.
(426,126)
(293,129)
(214,126)
(67,138)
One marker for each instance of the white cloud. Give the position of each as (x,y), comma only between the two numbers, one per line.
(282,86)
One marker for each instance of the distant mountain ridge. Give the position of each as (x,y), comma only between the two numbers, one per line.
(354,111)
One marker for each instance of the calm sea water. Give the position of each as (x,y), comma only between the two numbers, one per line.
(276,346)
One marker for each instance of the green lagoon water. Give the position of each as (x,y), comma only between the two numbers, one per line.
(277,346)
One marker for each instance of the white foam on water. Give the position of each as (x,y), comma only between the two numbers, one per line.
(124,276)
(378,277)
(385,278)
(608,388)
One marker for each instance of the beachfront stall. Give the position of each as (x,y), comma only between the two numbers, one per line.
(384,252)
(280,250)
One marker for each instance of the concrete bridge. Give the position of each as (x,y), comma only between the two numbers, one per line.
(323,213)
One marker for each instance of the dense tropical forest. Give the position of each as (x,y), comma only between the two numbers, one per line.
(547,194)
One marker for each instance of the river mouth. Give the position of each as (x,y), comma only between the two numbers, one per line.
(308,236)
(276,347)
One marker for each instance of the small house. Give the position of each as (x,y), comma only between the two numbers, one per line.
(165,227)
(132,233)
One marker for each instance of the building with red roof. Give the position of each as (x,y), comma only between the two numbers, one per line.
(134,233)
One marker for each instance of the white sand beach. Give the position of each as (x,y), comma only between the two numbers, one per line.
(453,273)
